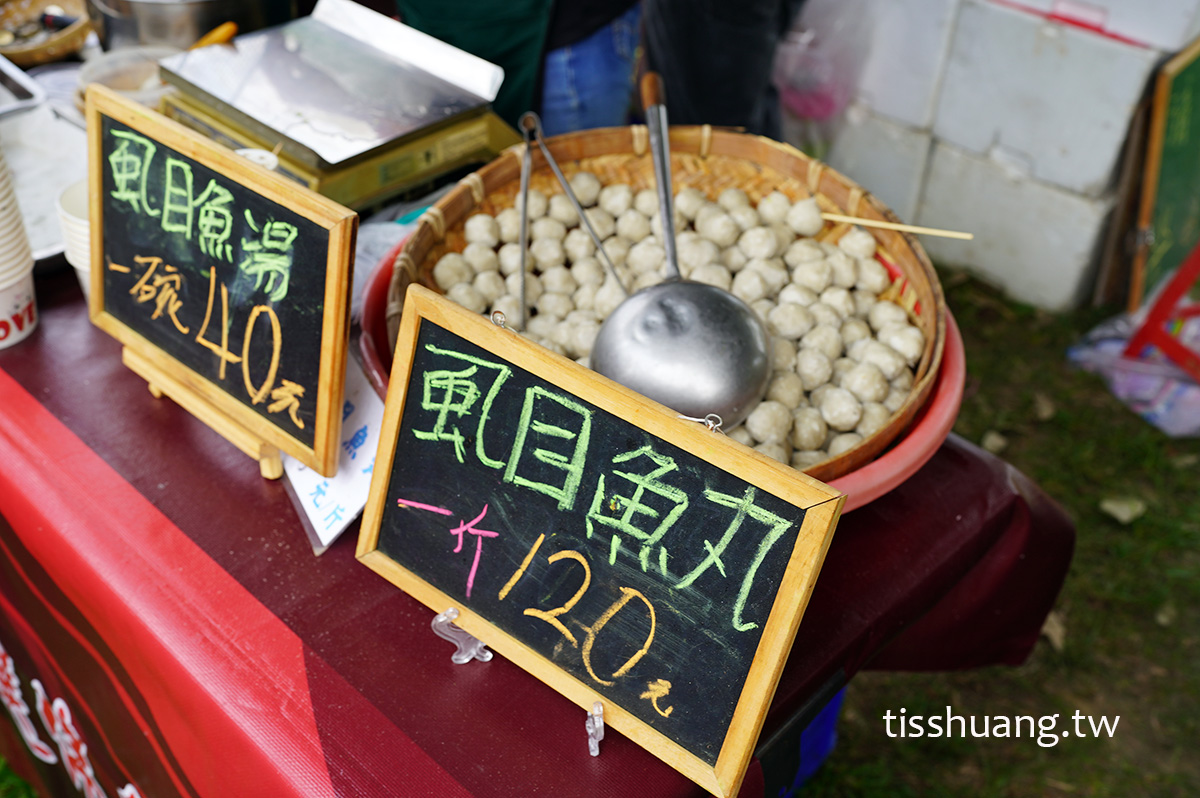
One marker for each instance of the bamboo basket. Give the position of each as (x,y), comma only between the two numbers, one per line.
(710,160)
(55,47)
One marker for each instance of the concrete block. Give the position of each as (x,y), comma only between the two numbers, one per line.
(1037,242)
(1055,98)
(911,39)
(885,158)
(1162,24)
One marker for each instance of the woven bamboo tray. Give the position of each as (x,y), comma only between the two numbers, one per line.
(709,160)
(54,47)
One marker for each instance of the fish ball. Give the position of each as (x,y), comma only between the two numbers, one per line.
(732,198)
(813,368)
(451,269)
(840,444)
(586,187)
(481,257)
(858,242)
(646,202)
(769,422)
(787,388)
(805,217)
(482,228)
(688,201)
(616,199)
(825,339)
(885,313)
(538,204)
(712,274)
(758,242)
(547,252)
(840,409)
(633,225)
(906,339)
(490,285)
(815,275)
(790,321)
(809,429)
(722,230)
(745,216)
(866,382)
(468,296)
(774,207)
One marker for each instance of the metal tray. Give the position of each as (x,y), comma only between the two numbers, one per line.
(18,91)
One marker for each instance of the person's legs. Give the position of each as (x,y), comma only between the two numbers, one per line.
(716,59)
(590,83)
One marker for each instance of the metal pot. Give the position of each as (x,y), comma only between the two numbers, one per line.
(127,23)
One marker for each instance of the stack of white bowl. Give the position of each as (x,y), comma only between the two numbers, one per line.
(72,207)
(18,310)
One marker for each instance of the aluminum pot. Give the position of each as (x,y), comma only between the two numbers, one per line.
(127,23)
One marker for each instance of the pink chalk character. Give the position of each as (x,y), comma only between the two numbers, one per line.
(479,534)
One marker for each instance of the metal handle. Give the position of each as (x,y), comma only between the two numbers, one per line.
(532,123)
(656,123)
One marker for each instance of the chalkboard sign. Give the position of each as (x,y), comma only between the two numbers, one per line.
(616,550)
(1169,215)
(227,283)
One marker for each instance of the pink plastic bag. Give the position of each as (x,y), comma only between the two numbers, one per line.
(818,63)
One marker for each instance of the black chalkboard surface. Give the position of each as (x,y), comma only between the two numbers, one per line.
(615,550)
(232,279)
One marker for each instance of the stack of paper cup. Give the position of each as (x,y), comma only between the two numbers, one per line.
(18,311)
(72,207)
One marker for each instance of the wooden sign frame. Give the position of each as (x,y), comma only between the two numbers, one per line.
(220,410)
(1156,224)
(821,507)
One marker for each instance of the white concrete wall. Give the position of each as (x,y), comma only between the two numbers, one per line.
(1052,96)
(1036,241)
(910,41)
(986,116)
(885,157)
(1159,24)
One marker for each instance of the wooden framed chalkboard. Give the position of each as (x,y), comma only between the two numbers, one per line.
(1169,214)
(228,284)
(615,550)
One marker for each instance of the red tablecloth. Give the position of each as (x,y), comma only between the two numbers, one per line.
(166,593)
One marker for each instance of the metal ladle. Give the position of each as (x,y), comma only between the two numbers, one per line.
(694,347)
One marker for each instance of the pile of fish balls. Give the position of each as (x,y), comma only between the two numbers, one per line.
(843,358)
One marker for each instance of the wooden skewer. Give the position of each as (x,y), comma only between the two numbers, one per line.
(907,228)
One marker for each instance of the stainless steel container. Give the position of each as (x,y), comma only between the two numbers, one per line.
(126,23)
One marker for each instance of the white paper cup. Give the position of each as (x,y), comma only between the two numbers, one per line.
(72,209)
(18,309)
(16,258)
(77,248)
(84,275)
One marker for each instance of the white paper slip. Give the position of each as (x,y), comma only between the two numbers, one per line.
(330,504)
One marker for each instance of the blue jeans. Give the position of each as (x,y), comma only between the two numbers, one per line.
(590,83)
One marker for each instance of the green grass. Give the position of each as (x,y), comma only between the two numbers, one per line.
(10,785)
(1129,604)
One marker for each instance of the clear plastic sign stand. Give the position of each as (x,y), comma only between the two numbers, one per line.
(470,648)
(595,728)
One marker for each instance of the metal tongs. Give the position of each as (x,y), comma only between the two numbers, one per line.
(531,129)
(656,123)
